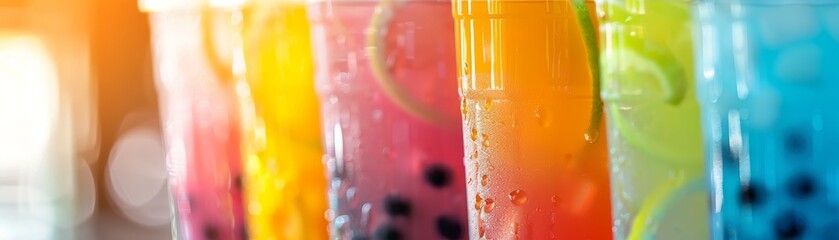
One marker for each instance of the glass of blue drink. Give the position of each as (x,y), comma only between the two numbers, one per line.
(769,95)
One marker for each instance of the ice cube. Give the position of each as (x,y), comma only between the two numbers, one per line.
(799,64)
(779,25)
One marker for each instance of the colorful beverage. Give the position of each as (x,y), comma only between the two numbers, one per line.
(536,165)
(200,117)
(767,88)
(654,131)
(388,95)
(285,183)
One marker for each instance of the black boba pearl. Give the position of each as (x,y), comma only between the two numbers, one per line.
(243,234)
(210,232)
(789,225)
(438,176)
(449,228)
(802,186)
(752,194)
(396,206)
(795,142)
(388,232)
(237,182)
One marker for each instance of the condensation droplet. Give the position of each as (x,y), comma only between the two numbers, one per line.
(555,200)
(463,108)
(478,201)
(518,197)
(592,135)
(488,104)
(514,227)
(484,180)
(485,142)
(474,135)
(490,204)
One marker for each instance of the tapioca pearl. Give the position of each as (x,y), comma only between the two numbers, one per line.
(799,64)
(388,232)
(781,25)
(243,233)
(795,142)
(438,176)
(237,182)
(789,224)
(210,232)
(396,206)
(752,194)
(449,227)
(802,186)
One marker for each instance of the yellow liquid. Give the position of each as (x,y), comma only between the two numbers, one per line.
(285,183)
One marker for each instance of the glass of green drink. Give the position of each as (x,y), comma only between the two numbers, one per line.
(653,120)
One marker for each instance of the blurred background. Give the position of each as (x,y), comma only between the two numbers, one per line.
(80,147)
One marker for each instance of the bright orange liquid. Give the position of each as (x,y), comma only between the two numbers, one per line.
(527,96)
(286,183)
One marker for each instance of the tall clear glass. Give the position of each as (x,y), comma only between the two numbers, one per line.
(767,86)
(194,45)
(285,184)
(536,164)
(655,141)
(387,85)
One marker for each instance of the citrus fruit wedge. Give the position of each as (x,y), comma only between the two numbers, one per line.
(656,128)
(664,202)
(649,82)
(377,31)
(593,57)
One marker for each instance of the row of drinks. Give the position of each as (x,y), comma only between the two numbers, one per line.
(483,119)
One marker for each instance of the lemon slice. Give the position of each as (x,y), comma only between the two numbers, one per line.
(662,203)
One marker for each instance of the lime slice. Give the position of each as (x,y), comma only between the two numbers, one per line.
(377,31)
(663,203)
(593,56)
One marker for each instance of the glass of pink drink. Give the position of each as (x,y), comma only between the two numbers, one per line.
(386,77)
(200,116)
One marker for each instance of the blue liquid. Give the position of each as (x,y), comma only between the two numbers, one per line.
(768,85)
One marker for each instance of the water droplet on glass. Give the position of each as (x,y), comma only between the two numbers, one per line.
(514,227)
(518,197)
(488,104)
(490,204)
(484,180)
(474,135)
(463,106)
(555,200)
(485,142)
(592,135)
(478,201)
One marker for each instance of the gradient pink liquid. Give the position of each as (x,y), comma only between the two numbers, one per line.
(200,119)
(391,174)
